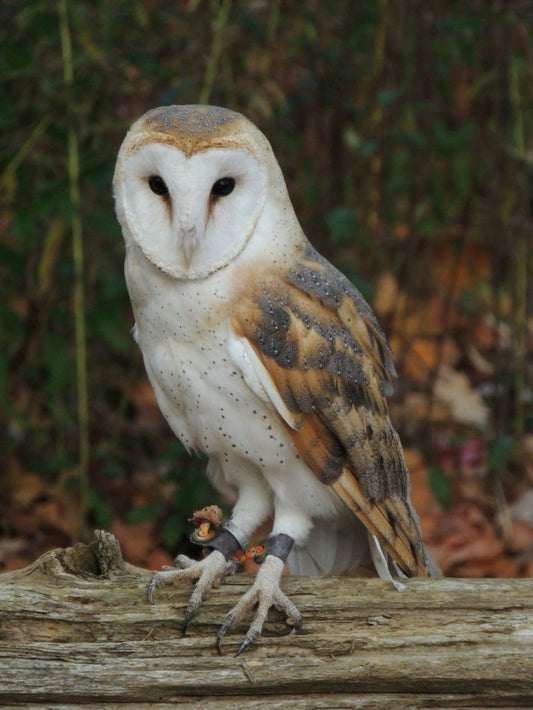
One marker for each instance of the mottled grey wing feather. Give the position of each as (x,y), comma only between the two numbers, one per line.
(329,360)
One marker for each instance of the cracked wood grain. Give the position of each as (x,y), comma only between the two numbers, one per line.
(70,635)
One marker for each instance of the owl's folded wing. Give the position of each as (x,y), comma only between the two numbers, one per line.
(310,344)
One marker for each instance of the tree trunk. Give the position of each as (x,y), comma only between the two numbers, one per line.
(76,630)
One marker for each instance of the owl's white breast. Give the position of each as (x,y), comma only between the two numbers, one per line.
(182,328)
(183,331)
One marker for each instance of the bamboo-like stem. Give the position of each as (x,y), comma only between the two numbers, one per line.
(77,257)
(521,270)
(24,151)
(272,22)
(219,23)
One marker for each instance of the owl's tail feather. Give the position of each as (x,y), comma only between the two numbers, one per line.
(393,528)
(347,550)
(381,563)
(332,549)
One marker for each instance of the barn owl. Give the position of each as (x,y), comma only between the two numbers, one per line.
(264,357)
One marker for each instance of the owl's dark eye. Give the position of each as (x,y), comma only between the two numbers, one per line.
(223,187)
(158,185)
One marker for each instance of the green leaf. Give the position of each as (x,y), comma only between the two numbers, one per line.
(499,453)
(142,513)
(173,452)
(387,97)
(367,148)
(102,513)
(342,224)
(173,531)
(440,485)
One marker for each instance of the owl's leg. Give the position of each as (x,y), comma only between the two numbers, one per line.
(253,506)
(265,592)
(209,571)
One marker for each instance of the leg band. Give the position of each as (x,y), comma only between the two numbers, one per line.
(279,546)
(227,541)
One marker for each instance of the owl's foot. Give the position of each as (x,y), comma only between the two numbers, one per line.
(209,572)
(265,592)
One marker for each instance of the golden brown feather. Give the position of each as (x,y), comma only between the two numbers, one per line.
(331,364)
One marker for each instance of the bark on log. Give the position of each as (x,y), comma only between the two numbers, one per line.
(76,631)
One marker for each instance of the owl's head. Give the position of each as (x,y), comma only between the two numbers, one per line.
(190,185)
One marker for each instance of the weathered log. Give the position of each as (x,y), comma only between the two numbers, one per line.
(76,630)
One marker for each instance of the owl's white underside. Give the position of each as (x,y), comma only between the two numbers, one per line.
(206,392)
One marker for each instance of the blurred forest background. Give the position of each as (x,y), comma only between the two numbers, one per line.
(404,130)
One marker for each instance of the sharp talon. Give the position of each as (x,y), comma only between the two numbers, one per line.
(220,636)
(297,625)
(189,614)
(244,645)
(250,637)
(225,626)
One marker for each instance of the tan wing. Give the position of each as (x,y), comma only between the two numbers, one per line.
(319,345)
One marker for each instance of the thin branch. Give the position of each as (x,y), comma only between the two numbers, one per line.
(219,23)
(521,268)
(24,151)
(77,256)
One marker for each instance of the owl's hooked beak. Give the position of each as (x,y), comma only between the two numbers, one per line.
(188,242)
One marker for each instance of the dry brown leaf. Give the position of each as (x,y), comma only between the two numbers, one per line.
(422,496)
(499,567)
(465,405)
(135,539)
(522,508)
(480,363)
(420,360)
(520,536)
(13,562)
(467,538)
(26,488)
(527,569)
(148,417)
(474,267)
(387,298)
(156,559)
